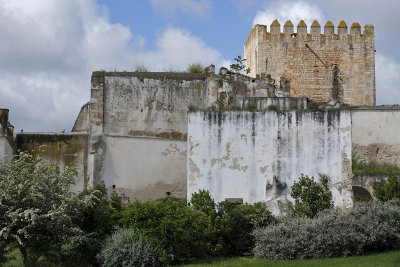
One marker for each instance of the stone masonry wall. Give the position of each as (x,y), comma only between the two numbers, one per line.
(319,66)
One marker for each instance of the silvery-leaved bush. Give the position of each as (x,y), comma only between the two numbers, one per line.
(366,228)
(128,247)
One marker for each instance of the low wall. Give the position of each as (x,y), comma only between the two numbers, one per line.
(258,155)
(144,168)
(62,148)
(376,134)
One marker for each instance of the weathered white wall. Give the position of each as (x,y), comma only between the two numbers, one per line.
(236,154)
(145,168)
(376,134)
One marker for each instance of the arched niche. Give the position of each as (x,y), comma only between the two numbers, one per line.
(361,194)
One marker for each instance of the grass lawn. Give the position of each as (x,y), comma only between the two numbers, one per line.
(382,259)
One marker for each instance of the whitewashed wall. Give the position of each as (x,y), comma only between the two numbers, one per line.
(237,154)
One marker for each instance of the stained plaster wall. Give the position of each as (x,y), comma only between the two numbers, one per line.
(7,144)
(334,66)
(145,168)
(138,127)
(376,134)
(64,149)
(258,155)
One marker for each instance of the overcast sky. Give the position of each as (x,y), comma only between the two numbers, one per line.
(49,48)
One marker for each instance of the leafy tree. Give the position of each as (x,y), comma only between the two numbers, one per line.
(235,224)
(95,214)
(195,68)
(239,65)
(34,198)
(387,190)
(310,196)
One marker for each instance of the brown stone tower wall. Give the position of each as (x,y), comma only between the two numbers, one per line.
(319,66)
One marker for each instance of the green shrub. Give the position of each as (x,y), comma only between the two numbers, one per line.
(221,100)
(95,214)
(313,105)
(251,107)
(203,202)
(181,231)
(195,68)
(141,68)
(273,107)
(387,190)
(310,196)
(366,228)
(128,247)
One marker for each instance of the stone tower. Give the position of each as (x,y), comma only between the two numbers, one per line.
(323,67)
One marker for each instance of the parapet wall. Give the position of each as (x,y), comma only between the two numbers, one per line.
(322,67)
(257,156)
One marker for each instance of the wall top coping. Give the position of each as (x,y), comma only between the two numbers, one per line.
(155,75)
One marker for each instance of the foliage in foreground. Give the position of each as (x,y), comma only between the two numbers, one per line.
(366,228)
(128,247)
(310,196)
(232,224)
(388,190)
(34,198)
(201,230)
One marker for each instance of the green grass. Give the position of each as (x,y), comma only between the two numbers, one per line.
(382,259)
(372,167)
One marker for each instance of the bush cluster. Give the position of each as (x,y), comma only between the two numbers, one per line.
(366,228)
(199,230)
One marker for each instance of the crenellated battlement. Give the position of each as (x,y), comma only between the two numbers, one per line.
(324,63)
(315,31)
